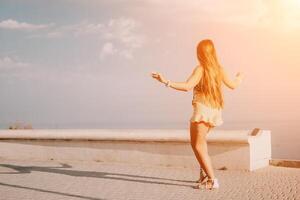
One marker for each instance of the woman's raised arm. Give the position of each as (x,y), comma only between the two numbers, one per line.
(232,84)
(191,82)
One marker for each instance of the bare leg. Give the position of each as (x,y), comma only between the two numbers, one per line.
(193,136)
(198,132)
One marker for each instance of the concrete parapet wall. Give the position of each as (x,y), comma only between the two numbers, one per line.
(231,149)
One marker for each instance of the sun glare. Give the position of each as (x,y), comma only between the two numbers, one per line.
(293,4)
(289,12)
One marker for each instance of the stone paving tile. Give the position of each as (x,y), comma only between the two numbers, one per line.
(61,180)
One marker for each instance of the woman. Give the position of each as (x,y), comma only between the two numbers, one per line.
(206,81)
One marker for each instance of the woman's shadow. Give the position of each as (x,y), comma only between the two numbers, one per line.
(65,169)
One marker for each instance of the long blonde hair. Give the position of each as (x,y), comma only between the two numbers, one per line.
(211,81)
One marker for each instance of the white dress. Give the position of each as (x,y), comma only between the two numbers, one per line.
(203,112)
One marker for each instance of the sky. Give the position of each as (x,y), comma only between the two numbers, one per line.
(87,64)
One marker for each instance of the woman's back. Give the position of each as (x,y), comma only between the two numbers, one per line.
(209,91)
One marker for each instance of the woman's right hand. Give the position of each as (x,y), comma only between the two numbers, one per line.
(159,77)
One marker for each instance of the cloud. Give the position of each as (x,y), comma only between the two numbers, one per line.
(14,69)
(8,63)
(119,36)
(15,25)
(107,49)
(123,30)
(86,28)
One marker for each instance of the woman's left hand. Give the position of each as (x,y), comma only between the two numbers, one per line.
(159,77)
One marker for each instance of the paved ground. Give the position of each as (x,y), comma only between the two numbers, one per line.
(36,180)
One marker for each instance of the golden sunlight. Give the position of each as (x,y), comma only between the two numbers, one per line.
(285,12)
(291,5)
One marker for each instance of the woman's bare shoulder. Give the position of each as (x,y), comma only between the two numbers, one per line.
(198,68)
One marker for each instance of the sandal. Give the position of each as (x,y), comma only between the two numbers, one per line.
(202,177)
(214,184)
